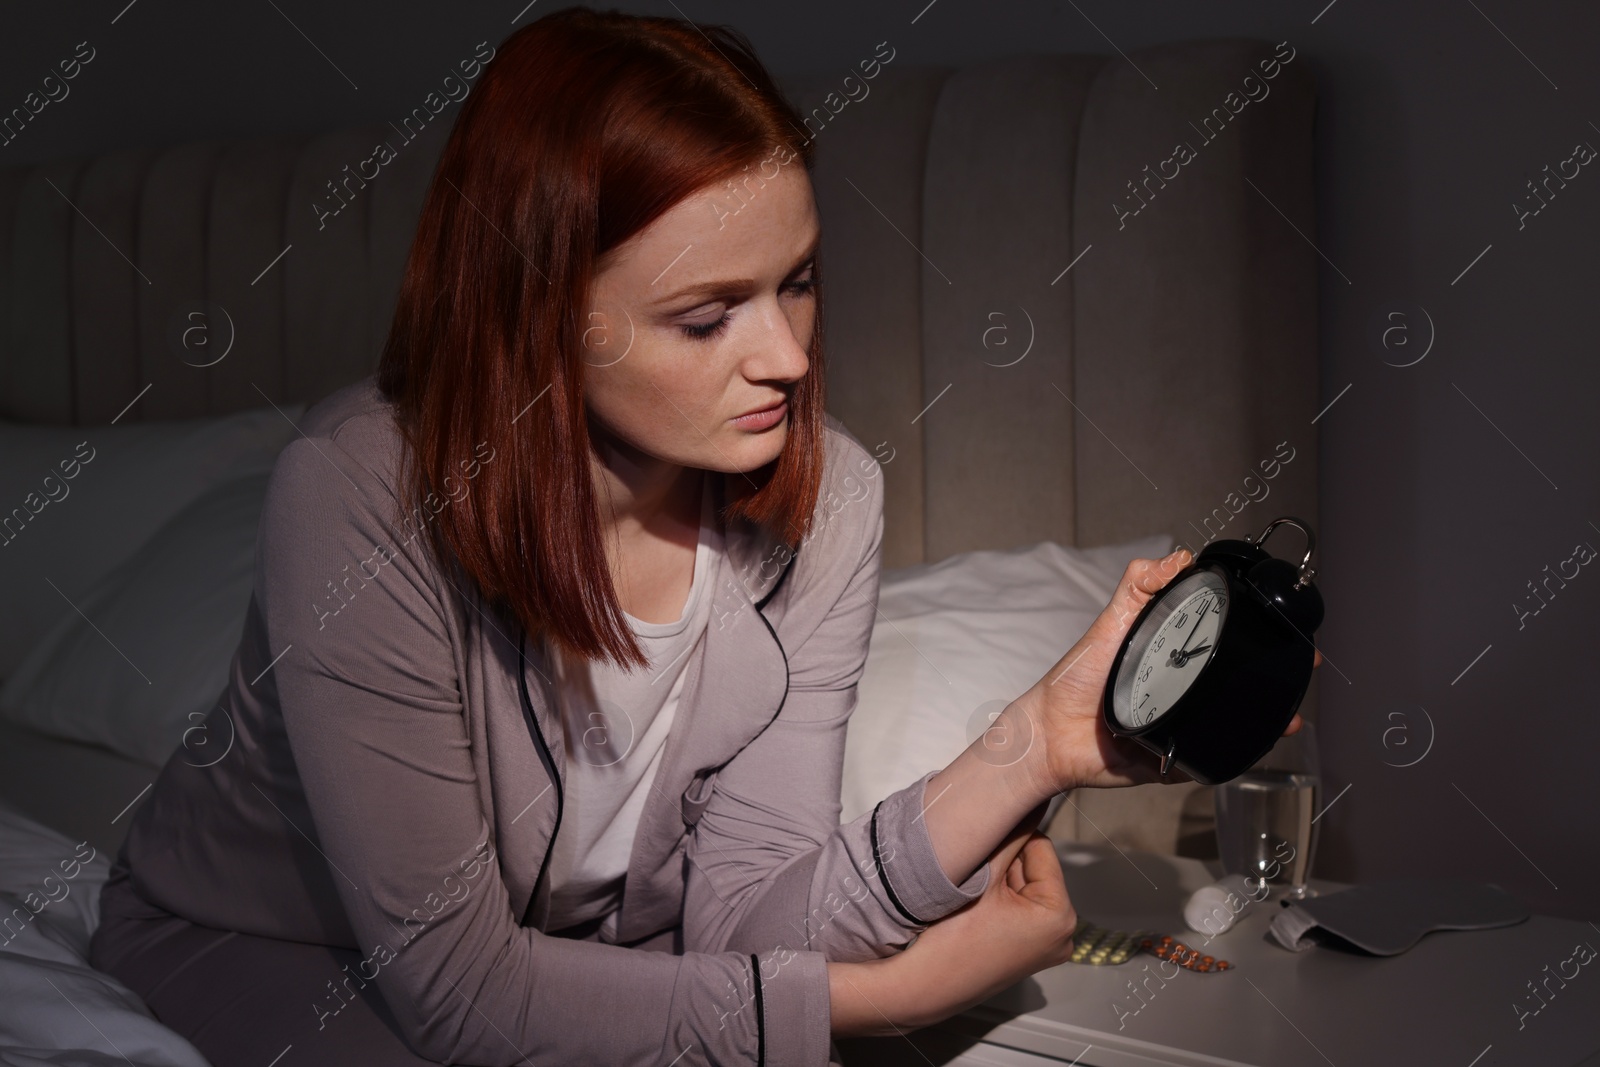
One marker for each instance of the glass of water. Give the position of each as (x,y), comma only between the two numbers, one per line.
(1265,828)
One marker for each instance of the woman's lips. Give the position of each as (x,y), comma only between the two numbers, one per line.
(763,420)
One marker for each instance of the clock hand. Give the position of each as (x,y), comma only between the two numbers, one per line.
(1179,659)
(1200,615)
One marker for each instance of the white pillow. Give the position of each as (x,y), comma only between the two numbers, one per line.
(957,640)
(48,872)
(59,1011)
(174,612)
(125,482)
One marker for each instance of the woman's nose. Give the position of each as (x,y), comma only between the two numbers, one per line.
(780,355)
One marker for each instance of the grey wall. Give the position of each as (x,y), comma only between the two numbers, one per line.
(1447,486)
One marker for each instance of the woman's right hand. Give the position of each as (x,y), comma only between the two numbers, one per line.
(1022,924)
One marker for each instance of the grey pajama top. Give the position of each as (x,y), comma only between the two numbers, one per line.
(396,781)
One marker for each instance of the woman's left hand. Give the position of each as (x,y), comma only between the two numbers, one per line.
(1074,746)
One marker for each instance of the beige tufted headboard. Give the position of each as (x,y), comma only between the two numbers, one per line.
(1171,367)
(1029,360)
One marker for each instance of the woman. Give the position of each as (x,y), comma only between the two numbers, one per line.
(541,701)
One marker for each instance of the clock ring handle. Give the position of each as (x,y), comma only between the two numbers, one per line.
(1306,571)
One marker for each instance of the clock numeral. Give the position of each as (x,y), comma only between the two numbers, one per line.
(1144,675)
(1155,646)
(1183,617)
(1216,606)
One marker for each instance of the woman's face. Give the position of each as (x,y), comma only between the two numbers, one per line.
(702,317)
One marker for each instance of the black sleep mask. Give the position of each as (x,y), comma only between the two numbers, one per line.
(1386,918)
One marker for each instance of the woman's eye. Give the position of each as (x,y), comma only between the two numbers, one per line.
(704,330)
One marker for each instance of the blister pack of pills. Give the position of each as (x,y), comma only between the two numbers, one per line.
(1099,946)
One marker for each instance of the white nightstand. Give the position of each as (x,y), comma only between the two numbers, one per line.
(1448,1000)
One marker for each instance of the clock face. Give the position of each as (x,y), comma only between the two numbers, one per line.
(1170,648)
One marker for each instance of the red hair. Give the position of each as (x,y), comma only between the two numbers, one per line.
(584,128)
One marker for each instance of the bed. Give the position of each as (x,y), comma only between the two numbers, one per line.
(1067,340)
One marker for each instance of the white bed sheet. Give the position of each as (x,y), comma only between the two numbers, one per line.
(54,1008)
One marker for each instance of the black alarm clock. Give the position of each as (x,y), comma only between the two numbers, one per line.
(1217,662)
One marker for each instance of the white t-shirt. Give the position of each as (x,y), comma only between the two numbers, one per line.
(616,725)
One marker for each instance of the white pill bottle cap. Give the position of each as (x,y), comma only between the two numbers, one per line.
(1213,909)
